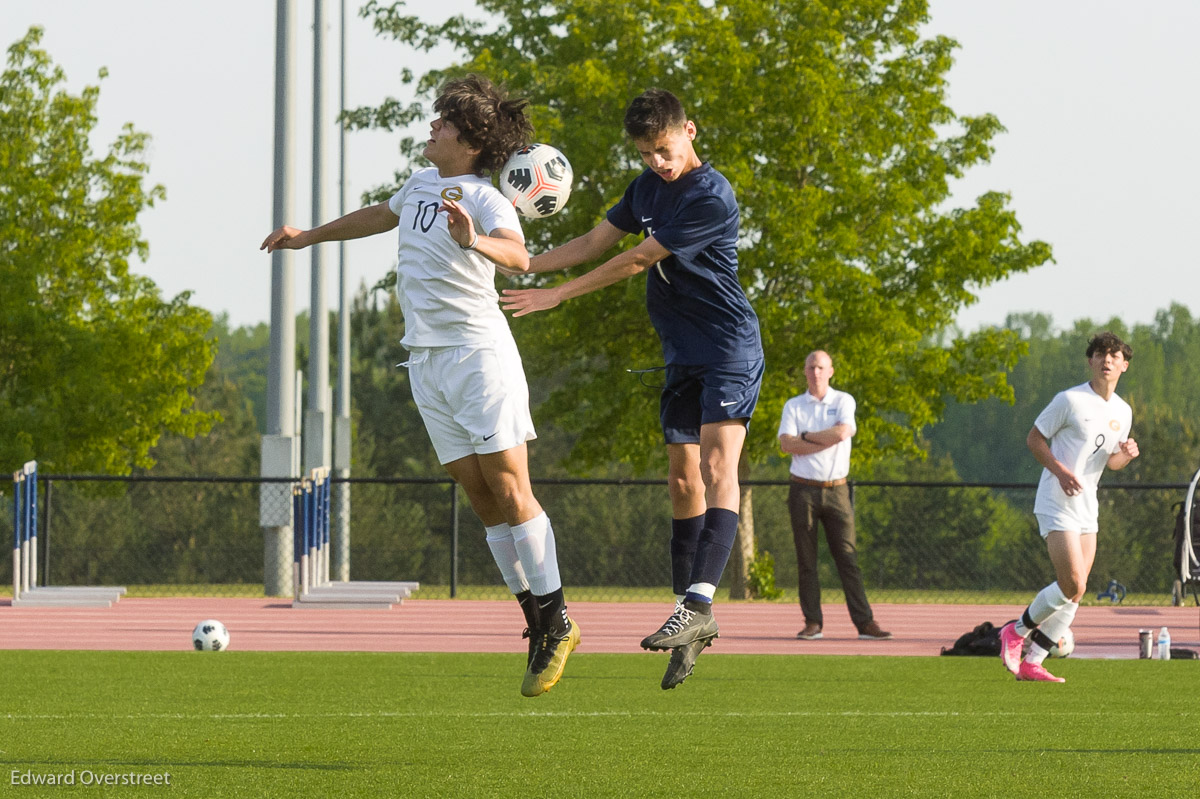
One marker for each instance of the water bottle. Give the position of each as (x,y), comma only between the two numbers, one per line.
(1164,644)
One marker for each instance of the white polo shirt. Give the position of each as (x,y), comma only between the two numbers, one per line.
(448,294)
(1083,430)
(807,414)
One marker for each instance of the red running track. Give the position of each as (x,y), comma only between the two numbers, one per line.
(449,625)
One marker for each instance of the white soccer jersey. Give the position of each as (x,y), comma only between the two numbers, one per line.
(807,414)
(1083,430)
(448,294)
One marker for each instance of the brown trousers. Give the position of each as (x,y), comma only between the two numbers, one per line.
(808,505)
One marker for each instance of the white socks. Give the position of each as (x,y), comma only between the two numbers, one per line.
(1049,600)
(1052,612)
(1053,628)
(534,542)
(504,551)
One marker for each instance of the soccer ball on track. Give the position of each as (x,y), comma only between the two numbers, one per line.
(537,180)
(210,636)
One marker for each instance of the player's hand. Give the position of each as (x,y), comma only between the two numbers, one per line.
(1129,448)
(1070,483)
(459,222)
(527,301)
(282,239)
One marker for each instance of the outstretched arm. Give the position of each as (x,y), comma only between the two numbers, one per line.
(355,225)
(617,268)
(579,250)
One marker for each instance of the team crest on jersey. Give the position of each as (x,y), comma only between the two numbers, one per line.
(452,193)
(1114,424)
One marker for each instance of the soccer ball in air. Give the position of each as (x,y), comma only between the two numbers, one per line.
(1065,645)
(210,636)
(537,180)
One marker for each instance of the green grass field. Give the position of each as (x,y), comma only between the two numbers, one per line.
(244,724)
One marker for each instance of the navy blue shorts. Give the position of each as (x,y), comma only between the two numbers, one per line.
(699,395)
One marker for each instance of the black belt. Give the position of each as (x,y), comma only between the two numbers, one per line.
(818,483)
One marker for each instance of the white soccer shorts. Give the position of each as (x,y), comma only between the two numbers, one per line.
(473,398)
(1064,522)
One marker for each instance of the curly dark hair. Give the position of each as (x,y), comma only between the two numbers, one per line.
(485,119)
(652,113)
(1108,343)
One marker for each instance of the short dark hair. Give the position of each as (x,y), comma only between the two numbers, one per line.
(485,119)
(652,113)
(1109,344)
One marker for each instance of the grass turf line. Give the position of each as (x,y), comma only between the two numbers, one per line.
(364,724)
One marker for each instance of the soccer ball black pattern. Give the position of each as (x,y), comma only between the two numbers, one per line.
(537,180)
(210,635)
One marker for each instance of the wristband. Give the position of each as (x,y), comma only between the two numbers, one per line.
(474,241)
(804,436)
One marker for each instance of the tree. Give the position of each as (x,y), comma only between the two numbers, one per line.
(987,439)
(94,364)
(830,120)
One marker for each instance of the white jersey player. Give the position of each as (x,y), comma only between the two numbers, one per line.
(1081,432)
(455,231)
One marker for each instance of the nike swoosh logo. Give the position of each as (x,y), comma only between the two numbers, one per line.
(647,219)
(727,404)
(487,438)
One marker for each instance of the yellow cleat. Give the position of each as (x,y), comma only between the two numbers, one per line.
(549,660)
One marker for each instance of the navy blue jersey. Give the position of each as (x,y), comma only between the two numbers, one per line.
(695,301)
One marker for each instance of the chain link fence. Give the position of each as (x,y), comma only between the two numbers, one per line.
(917,542)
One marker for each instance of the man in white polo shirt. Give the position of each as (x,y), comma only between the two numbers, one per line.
(815,430)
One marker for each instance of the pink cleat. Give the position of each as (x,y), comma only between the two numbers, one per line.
(1036,672)
(1010,647)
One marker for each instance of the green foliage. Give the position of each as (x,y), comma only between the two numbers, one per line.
(761,577)
(94,365)
(830,121)
(242,357)
(987,440)
(951,538)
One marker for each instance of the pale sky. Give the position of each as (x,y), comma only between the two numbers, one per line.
(1098,98)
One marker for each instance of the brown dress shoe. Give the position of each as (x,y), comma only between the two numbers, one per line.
(811,632)
(872,632)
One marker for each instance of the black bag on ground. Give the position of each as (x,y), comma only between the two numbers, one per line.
(983,641)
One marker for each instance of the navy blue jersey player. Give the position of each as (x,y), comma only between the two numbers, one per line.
(688,215)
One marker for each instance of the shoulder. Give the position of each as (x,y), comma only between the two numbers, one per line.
(480,190)
(843,400)
(1072,396)
(417,180)
(644,188)
(711,183)
(422,176)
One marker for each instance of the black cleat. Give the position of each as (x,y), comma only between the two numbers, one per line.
(684,627)
(549,658)
(683,659)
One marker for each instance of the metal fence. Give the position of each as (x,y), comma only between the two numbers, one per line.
(918,542)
